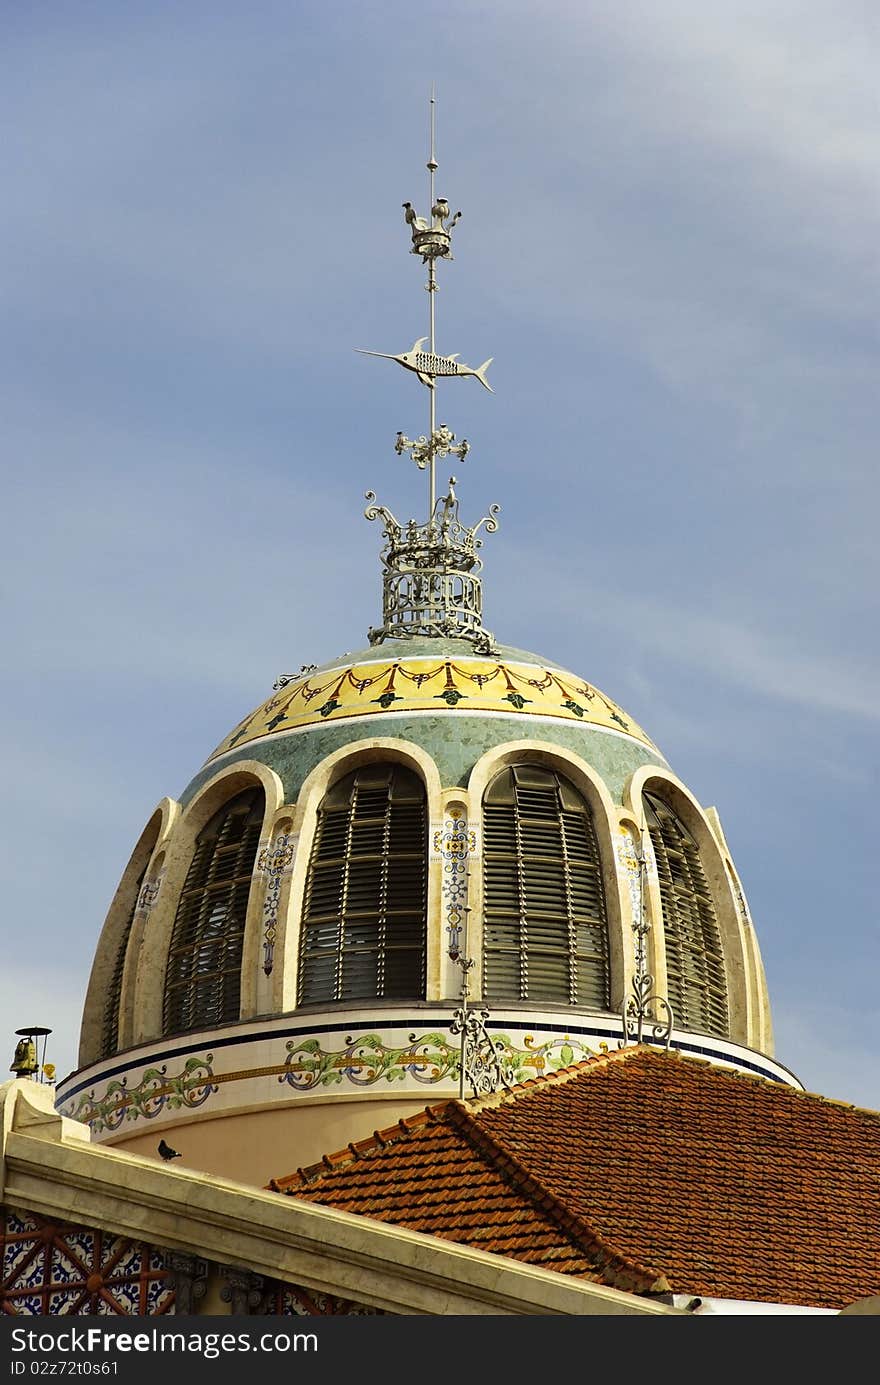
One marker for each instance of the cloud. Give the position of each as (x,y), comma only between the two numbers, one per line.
(736,653)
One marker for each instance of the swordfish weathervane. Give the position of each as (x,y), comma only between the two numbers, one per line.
(430,580)
(428,366)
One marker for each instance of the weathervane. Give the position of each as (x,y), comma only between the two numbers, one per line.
(430,581)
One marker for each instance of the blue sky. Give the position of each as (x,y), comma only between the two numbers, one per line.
(668,244)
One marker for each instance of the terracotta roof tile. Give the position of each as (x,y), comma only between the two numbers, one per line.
(633,1166)
(438,1173)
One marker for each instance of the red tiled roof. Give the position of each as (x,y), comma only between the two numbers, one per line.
(643,1169)
(437,1172)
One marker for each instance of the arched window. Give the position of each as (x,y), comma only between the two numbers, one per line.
(203,975)
(695,979)
(112,999)
(545,928)
(364,919)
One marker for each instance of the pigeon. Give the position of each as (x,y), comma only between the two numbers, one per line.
(167,1152)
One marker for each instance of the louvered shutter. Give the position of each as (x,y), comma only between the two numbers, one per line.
(365,911)
(110,1022)
(203,974)
(545,928)
(695,977)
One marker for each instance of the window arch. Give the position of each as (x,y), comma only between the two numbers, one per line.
(545,924)
(203,973)
(365,911)
(695,977)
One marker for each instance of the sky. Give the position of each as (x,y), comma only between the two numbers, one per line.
(669,246)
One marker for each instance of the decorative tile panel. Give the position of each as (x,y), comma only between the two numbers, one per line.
(50,1268)
(427,1058)
(742,906)
(484,683)
(399,1051)
(274,861)
(157,1091)
(453,844)
(149,893)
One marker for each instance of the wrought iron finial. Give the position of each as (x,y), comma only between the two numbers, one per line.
(432,164)
(482,1062)
(644,1009)
(430,585)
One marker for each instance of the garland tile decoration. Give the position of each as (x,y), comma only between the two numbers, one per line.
(429,1058)
(363,1061)
(419,684)
(156,1092)
(283,1065)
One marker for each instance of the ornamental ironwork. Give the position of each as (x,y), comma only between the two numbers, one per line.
(483,1062)
(430,582)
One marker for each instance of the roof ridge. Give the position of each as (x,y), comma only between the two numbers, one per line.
(621,1272)
(544,1080)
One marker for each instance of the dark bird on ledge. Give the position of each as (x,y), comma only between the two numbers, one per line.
(167,1152)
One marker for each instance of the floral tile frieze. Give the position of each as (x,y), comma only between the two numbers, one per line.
(430,1058)
(157,1091)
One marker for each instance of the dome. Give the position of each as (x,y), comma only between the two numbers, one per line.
(431,866)
(288,936)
